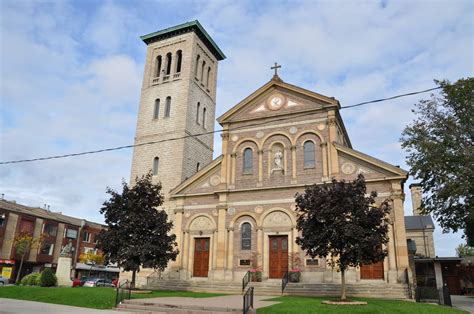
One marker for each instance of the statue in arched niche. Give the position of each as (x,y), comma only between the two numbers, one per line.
(278,160)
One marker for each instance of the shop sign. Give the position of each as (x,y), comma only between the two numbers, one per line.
(7,261)
(6,272)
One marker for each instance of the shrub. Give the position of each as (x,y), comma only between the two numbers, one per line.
(24,280)
(33,279)
(47,278)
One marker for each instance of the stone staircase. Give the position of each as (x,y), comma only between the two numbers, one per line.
(273,288)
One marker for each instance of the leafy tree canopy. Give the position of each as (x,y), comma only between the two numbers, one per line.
(464,250)
(137,232)
(440,146)
(337,220)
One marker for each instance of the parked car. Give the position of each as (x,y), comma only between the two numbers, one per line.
(3,281)
(99,283)
(78,283)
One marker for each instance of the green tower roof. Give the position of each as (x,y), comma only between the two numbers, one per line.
(193,26)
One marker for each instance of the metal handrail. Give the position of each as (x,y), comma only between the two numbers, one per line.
(245,280)
(284,281)
(124,291)
(248,300)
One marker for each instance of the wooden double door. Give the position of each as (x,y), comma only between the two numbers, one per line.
(201,257)
(278,256)
(372,271)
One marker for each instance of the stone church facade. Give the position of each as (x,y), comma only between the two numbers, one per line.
(238,211)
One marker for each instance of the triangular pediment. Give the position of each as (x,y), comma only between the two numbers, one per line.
(204,181)
(277,98)
(352,163)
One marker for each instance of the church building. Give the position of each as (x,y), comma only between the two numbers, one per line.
(237,212)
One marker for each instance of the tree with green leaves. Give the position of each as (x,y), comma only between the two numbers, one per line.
(440,146)
(464,250)
(138,233)
(339,222)
(23,243)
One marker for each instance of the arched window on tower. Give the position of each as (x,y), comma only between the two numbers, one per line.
(156,163)
(179,56)
(198,108)
(309,154)
(204,118)
(197,66)
(156,110)
(198,165)
(248,161)
(208,76)
(168,63)
(168,107)
(202,71)
(158,66)
(246,236)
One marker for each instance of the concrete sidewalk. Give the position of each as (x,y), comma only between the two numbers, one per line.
(463,303)
(10,306)
(231,302)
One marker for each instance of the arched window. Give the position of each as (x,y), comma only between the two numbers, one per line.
(168,107)
(204,118)
(198,165)
(198,108)
(197,65)
(246,236)
(156,163)
(168,63)
(158,66)
(248,161)
(156,111)
(309,154)
(202,71)
(179,56)
(208,75)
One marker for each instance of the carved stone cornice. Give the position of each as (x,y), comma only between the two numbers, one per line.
(332,121)
(179,210)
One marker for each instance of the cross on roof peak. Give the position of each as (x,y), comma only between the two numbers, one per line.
(276,67)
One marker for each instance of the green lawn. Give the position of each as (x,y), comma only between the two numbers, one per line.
(98,298)
(313,305)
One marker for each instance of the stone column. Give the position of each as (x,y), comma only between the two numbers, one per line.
(333,160)
(36,235)
(293,164)
(230,250)
(220,240)
(400,238)
(260,246)
(233,157)
(179,235)
(324,155)
(185,254)
(438,275)
(225,161)
(260,167)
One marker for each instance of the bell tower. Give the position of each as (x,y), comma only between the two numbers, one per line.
(177,104)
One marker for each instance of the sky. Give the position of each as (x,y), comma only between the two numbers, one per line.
(71,72)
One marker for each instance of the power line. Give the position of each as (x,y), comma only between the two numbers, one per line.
(205,133)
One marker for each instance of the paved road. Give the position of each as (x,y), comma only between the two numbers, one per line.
(10,306)
(463,303)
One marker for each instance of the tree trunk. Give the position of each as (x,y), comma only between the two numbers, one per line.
(19,269)
(133,279)
(343,285)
